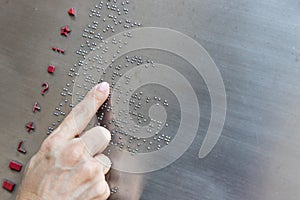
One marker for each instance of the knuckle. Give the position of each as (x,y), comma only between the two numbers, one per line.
(75,152)
(48,145)
(97,168)
(103,190)
(90,169)
(87,169)
(107,191)
(81,108)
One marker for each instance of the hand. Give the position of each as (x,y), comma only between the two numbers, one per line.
(69,164)
(129,186)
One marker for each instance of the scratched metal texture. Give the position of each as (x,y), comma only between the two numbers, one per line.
(256,46)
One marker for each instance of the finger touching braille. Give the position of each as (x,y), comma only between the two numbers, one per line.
(81,115)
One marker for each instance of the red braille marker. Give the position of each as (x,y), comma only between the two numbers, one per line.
(51,69)
(20,148)
(30,127)
(45,86)
(8,185)
(65,31)
(36,107)
(71,12)
(14,165)
(64,34)
(58,50)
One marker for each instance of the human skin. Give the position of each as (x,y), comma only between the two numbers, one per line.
(70,164)
(129,185)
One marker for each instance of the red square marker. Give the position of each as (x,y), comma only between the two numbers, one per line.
(8,185)
(51,69)
(14,165)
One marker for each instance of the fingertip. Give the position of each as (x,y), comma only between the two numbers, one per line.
(106,133)
(105,162)
(103,88)
(100,92)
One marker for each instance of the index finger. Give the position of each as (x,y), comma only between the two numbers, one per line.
(82,113)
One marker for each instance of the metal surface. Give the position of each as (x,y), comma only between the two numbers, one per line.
(256,46)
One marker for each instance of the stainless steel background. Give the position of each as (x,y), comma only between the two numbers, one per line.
(256,46)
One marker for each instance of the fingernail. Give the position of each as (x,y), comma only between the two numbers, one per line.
(103,87)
